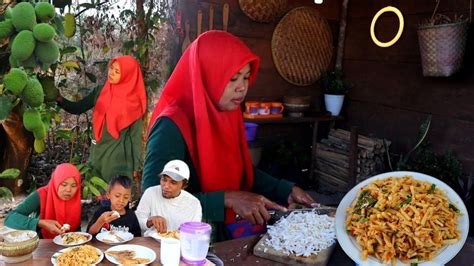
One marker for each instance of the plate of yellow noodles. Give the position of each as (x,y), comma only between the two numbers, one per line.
(402,218)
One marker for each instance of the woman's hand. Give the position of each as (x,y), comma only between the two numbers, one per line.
(298,195)
(158,222)
(250,206)
(51,226)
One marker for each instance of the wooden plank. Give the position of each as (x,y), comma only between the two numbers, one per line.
(264,250)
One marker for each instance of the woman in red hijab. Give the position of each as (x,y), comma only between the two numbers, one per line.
(198,120)
(116,120)
(51,207)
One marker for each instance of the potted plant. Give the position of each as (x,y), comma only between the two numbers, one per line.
(335,88)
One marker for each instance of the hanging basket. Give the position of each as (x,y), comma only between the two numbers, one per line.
(263,11)
(442,48)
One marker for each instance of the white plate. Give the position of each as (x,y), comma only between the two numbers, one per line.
(55,255)
(140,251)
(351,247)
(58,240)
(126,236)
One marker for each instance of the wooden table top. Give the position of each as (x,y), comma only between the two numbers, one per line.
(232,252)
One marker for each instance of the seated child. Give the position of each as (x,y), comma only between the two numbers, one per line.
(51,209)
(166,206)
(115,217)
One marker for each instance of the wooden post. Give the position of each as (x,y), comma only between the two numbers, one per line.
(353,157)
(342,34)
(314,150)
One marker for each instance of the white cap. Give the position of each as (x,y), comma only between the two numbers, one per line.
(176,169)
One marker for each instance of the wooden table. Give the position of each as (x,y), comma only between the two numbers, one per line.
(232,252)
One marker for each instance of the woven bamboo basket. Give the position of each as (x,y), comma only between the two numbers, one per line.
(442,48)
(263,11)
(302,46)
(17,249)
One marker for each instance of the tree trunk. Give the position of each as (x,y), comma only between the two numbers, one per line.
(15,149)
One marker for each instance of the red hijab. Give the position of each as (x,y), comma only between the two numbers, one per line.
(120,104)
(215,139)
(54,208)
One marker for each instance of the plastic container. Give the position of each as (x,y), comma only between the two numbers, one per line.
(250,131)
(195,238)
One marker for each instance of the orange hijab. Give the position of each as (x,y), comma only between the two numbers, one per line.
(120,104)
(215,139)
(54,208)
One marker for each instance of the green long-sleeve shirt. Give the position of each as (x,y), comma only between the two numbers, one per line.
(166,143)
(26,215)
(111,157)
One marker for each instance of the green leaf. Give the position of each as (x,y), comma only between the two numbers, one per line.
(85,192)
(432,189)
(94,190)
(68,50)
(7,102)
(87,5)
(11,173)
(91,77)
(6,193)
(99,182)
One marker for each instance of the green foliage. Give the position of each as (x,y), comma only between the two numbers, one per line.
(333,83)
(45,11)
(23,45)
(33,93)
(92,185)
(10,173)
(421,158)
(43,32)
(24,16)
(15,81)
(47,52)
(5,193)
(7,102)
(6,28)
(49,89)
(32,119)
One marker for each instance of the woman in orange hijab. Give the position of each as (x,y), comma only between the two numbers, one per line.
(52,206)
(198,120)
(116,120)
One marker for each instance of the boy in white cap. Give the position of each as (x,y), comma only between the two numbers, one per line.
(166,206)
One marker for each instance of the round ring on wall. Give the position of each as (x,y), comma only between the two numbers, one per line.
(400,28)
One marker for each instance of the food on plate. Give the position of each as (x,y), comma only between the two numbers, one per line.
(170,234)
(116,214)
(82,255)
(65,227)
(302,233)
(17,236)
(127,257)
(74,238)
(112,237)
(402,218)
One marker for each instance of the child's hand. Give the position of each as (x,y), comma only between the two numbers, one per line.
(158,222)
(108,217)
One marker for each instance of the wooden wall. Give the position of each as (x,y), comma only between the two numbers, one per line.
(269,84)
(390,97)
